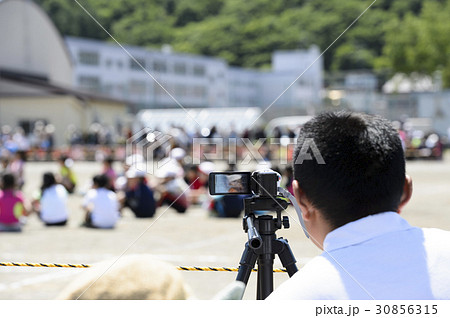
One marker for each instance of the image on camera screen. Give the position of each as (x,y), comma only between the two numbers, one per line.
(231,183)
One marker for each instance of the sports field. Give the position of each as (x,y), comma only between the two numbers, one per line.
(192,239)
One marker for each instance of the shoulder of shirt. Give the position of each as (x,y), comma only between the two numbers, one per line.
(112,194)
(91,193)
(19,195)
(59,186)
(312,281)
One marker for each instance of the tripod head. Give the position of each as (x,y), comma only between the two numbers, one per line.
(255,204)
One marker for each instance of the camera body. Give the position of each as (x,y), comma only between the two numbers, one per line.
(263,183)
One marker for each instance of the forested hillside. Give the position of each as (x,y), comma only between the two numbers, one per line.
(393,35)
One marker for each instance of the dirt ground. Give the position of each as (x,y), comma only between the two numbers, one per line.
(191,239)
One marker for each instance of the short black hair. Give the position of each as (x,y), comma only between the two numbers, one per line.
(8,181)
(109,160)
(48,180)
(101,180)
(359,169)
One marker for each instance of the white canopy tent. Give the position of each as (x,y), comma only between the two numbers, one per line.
(196,119)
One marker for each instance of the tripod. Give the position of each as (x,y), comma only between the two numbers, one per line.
(262,244)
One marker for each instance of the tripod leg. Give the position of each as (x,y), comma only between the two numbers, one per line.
(247,263)
(265,276)
(286,256)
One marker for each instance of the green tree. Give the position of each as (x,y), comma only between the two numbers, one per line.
(393,35)
(419,43)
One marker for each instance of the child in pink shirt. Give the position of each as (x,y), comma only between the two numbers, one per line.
(12,205)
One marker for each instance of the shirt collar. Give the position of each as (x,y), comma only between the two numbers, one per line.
(364,229)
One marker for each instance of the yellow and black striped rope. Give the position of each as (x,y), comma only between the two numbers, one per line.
(221,269)
(181,268)
(45,265)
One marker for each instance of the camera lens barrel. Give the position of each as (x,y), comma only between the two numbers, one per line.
(254,239)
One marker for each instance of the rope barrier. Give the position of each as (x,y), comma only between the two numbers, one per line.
(45,265)
(182,268)
(222,269)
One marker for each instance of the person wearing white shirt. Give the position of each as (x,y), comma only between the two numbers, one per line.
(350,202)
(101,205)
(52,203)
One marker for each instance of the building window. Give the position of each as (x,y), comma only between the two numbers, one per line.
(180,68)
(159,91)
(199,70)
(137,64)
(159,66)
(137,87)
(199,91)
(88,58)
(119,64)
(108,88)
(108,63)
(91,83)
(180,90)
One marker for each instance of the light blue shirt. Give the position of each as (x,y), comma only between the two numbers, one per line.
(378,257)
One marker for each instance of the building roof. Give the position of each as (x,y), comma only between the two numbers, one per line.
(26,34)
(40,82)
(134,49)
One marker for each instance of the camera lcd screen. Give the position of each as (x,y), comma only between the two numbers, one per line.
(229,183)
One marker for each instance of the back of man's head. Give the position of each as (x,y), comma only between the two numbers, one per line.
(363,167)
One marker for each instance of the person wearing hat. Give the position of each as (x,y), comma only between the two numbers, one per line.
(172,188)
(138,195)
(178,154)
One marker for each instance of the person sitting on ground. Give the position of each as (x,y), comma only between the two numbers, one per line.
(101,205)
(351,185)
(16,167)
(138,195)
(197,190)
(134,161)
(12,205)
(177,156)
(109,171)
(51,203)
(227,206)
(173,190)
(68,179)
(4,167)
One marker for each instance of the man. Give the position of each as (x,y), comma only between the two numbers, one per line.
(350,183)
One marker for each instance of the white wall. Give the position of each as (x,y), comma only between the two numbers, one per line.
(29,42)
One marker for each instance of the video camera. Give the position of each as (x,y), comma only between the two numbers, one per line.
(265,187)
(264,183)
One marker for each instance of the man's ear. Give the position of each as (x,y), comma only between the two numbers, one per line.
(407,193)
(302,200)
